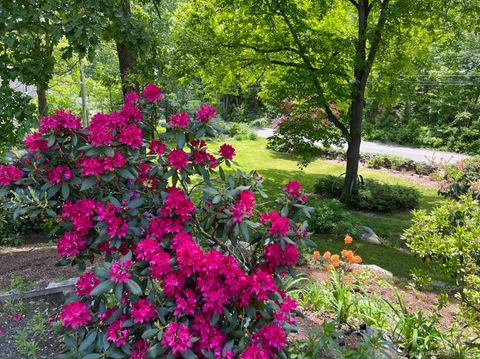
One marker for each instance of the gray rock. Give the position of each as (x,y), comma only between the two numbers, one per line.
(369,236)
(374,269)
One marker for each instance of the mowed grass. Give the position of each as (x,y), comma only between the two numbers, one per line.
(279,168)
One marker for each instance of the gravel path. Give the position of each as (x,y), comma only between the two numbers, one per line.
(416,154)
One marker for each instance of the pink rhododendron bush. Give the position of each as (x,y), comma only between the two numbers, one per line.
(193,260)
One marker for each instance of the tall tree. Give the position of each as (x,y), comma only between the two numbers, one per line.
(318,52)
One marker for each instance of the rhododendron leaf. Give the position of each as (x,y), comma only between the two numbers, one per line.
(108,151)
(114,201)
(125,173)
(88,183)
(189,355)
(51,140)
(92,356)
(101,273)
(155,351)
(74,140)
(70,341)
(62,263)
(88,341)
(65,190)
(113,352)
(251,312)
(244,230)
(150,333)
(181,140)
(19,212)
(53,190)
(102,288)
(221,172)
(119,291)
(133,287)
(136,203)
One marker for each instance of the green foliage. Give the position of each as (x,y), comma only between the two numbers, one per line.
(449,235)
(370,195)
(330,216)
(462,178)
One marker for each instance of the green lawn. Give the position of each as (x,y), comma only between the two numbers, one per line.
(279,168)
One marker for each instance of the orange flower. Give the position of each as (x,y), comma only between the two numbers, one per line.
(347,254)
(335,260)
(356,259)
(329,267)
(327,255)
(316,255)
(348,239)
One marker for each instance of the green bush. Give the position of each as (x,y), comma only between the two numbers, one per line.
(330,216)
(370,195)
(462,178)
(450,236)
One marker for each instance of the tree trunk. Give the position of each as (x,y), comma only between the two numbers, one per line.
(353,150)
(126,58)
(42,101)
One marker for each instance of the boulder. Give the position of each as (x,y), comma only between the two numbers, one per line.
(369,236)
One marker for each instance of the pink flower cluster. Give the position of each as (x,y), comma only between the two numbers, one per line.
(157,147)
(201,156)
(93,166)
(59,173)
(293,190)
(86,283)
(152,93)
(71,244)
(177,337)
(243,207)
(278,225)
(9,174)
(179,120)
(131,136)
(61,121)
(178,159)
(143,311)
(119,271)
(275,256)
(75,315)
(227,151)
(35,141)
(205,113)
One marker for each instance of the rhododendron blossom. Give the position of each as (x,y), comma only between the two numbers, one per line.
(143,311)
(152,93)
(178,159)
(119,271)
(9,174)
(59,174)
(75,314)
(157,147)
(34,142)
(279,225)
(205,113)
(71,244)
(179,120)
(131,136)
(227,151)
(117,334)
(60,121)
(85,284)
(177,337)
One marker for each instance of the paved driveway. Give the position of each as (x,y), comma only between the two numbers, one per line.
(416,154)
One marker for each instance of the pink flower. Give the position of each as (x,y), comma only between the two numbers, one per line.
(143,311)
(157,147)
(70,244)
(271,337)
(293,189)
(227,151)
(152,93)
(140,350)
(254,352)
(243,207)
(80,214)
(178,159)
(179,120)
(131,97)
(17,317)
(86,283)
(9,174)
(2,331)
(61,121)
(279,225)
(59,173)
(205,113)
(117,334)
(177,203)
(35,142)
(129,112)
(131,136)
(276,256)
(119,271)
(177,338)
(75,315)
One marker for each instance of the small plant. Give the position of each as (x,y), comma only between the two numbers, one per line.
(370,195)
(25,345)
(330,216)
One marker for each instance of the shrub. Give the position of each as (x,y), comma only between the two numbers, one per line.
(181,278)
(330,216)
(449,236)
(462,178)
(370,196)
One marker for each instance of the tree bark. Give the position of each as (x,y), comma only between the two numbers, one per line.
(42,101)
(353,149)
(126,57)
